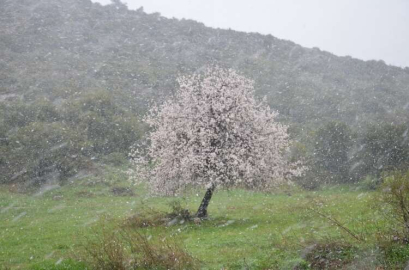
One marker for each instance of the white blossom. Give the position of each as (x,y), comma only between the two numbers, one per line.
(213,131)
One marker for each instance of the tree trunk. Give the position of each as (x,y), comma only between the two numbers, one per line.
(202,211)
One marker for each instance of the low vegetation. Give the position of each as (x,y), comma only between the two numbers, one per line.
(122,248)
(72,97)
(61,228)
(43,143)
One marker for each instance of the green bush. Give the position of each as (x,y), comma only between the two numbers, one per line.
(115,159)
(331,145)
(395,195)
(20,114)
(39,149)
(395,255)
(369,183)
(39,141)
(109,128)
(385,147)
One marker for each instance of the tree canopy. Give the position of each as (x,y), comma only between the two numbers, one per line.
(214,132)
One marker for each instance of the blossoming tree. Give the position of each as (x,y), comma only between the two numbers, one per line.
(214,133)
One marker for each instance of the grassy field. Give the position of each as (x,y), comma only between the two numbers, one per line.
(249,230)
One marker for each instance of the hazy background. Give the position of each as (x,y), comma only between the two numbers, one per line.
(365,29)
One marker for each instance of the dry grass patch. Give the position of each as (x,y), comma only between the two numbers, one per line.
(125,249)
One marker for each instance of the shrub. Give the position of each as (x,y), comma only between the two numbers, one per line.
(385,147)
(115,159)
(153,218)
(330,255)
(394,255)
(106,126)
(125,248)
(393,235)
(20,114)
(395,195)
(332,142)
(146,219)
(38,149)
(370,183)
(325,152)
(40,142)
(122,191)
(179,212)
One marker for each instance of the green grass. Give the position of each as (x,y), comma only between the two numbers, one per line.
(253,229)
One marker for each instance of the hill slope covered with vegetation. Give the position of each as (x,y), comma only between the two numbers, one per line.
(59,56)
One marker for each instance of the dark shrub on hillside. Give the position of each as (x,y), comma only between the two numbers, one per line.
(115,159)
(38,149)
(20,114)
(326,154)
(108,127)
(331,145)
(40,142)
(382,148)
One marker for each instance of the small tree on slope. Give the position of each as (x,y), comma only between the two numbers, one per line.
(214,133)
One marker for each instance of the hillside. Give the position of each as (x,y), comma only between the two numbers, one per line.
(60,47)
(76,77)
